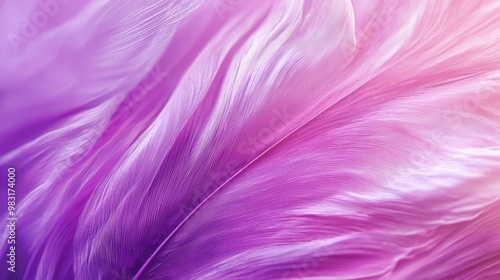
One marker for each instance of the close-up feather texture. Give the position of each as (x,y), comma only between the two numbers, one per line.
(263,139)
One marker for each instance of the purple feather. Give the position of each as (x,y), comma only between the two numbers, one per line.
(230,139)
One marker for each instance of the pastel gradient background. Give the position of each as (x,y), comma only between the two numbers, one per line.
(263,139)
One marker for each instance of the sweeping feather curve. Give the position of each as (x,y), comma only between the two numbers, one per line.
(230,139)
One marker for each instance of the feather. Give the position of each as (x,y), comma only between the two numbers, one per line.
(228,139)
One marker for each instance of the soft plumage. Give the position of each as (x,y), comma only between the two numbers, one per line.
(226,139)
